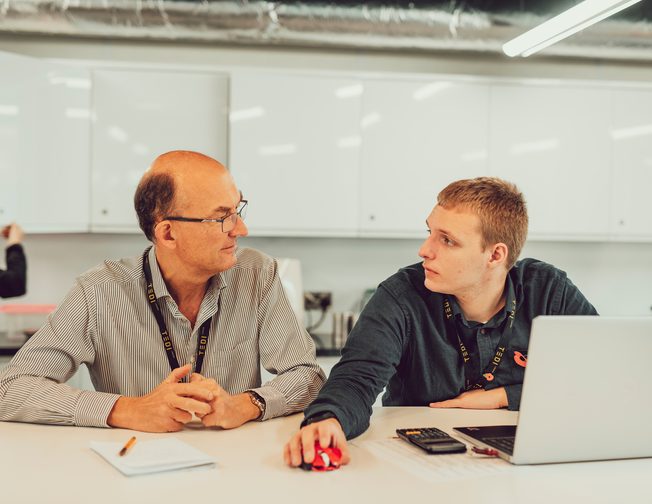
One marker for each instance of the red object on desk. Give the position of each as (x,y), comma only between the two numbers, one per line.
(326,459)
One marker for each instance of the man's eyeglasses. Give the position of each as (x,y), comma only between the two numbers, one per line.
(228,222)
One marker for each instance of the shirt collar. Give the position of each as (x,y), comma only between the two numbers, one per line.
(217,282)
(508,310)
(160,288)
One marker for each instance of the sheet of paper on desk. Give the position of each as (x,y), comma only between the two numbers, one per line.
(156,455)
(434,468)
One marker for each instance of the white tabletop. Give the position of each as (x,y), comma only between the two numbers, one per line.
(55,464)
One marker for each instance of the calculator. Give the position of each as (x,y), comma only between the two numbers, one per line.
(431,440)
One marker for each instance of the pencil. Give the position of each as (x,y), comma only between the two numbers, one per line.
(127,445)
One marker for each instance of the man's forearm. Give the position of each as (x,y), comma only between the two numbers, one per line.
(41,400)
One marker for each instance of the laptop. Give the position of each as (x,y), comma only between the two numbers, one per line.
(585,394)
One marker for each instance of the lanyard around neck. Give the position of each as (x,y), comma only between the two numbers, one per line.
(204,330)
(489,371)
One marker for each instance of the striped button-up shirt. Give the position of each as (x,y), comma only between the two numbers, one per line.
(106,323)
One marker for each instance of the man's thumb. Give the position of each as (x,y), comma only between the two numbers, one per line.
(177,374)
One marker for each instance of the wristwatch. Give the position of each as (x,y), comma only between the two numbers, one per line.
(259,402)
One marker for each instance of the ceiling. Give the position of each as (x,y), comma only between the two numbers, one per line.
(457,26)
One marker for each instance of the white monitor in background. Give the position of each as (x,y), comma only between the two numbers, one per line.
(290,272)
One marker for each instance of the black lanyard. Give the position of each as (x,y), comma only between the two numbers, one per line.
(490,370)
(204,330)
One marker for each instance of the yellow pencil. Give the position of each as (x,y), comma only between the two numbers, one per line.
(127,446)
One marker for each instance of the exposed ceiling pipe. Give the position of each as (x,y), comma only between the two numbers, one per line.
(453,26)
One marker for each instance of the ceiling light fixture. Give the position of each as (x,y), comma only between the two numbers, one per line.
(564,25)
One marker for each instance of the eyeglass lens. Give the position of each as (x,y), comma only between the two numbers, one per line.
(229,222)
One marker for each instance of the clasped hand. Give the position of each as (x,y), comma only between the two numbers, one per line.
(172,404)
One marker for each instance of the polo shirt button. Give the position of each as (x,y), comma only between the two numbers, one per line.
(483,331)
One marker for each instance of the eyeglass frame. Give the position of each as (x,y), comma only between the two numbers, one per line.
(237,213)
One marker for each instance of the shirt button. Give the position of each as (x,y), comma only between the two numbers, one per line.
(483,331)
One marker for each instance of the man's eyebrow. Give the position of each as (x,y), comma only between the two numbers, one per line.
(227,209)
(449,234)
(222,209)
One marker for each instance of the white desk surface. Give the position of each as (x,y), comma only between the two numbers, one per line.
(52,464)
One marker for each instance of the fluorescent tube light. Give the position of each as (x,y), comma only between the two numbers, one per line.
(564,25)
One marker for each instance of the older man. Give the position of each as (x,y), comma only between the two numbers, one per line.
(180,330)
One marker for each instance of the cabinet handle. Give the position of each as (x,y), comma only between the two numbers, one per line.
(105,211)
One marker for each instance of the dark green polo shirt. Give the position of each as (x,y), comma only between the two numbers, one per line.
(402,342)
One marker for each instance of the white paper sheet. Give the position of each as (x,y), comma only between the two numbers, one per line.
(434,468)
(156,455)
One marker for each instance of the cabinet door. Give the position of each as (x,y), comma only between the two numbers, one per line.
(294,149)
(417,137)
(632,164)
(553,142)
(139,115)
(44,145)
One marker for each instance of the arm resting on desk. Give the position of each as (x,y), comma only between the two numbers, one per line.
(370,357)
(287,350)
(32,386)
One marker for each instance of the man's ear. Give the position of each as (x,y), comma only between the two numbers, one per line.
(164,235)
(499,255)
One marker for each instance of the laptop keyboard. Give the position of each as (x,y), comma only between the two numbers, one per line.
(504,444)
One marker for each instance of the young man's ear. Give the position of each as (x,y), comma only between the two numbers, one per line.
(499,255)
(164,235)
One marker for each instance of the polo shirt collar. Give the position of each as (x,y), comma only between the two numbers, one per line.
(507,311)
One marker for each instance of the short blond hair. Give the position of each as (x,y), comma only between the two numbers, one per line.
(499,205)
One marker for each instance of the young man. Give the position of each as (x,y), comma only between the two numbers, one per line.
(451,331)
(191,298)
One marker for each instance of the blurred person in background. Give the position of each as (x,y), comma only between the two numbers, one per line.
(13,280)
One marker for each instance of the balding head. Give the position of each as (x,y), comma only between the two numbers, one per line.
(171,180)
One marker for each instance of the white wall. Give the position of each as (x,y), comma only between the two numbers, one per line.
(616,277)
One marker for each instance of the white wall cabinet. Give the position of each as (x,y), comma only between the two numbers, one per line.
(44,145)
(631,135)
(294,152)
(417,137)
(553,142)
(323,154)
(139,115)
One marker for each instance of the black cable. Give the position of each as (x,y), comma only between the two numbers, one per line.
(319,322)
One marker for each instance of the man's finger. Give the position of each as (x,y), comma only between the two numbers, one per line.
(177,374)
(308,443)
(326,436)
(194,390)
(180,416)
(286,454)
(196,377)
(295,449)
(210,420)
(340,442)
(451,403)
(191,405)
